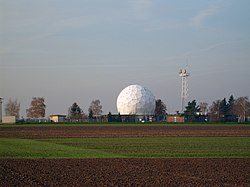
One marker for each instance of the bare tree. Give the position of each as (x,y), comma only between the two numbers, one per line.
(215,111)
(96,107)
(37,108)
(203,107)
(12,108)
(241,108)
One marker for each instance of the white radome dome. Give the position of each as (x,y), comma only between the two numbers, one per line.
(136,100)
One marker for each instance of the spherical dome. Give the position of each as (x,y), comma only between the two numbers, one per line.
(136,100)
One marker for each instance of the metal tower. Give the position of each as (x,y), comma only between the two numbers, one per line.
(183,74)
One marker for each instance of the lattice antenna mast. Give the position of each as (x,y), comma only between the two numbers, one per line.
(184,87)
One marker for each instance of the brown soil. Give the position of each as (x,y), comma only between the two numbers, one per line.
(121,131)
(125,172)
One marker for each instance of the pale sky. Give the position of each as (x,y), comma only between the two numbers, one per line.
(82,50)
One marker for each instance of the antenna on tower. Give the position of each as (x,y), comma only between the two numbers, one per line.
(186,63)
(183,74)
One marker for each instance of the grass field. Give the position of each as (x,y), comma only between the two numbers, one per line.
(143,147)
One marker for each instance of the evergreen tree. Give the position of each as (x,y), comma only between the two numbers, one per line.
(231,105)
(91,115)
(119,117)
(75,112)
(110,117)
(191,111)
(224,108)
(160,109)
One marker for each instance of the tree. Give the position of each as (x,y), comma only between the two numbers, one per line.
(222,110)
(160,109)
(230,105)
(37,108)
(241,108)
(191,111)
(215,111)
(229,116)
(96,107)
(203,107)
(110,117)
(12,108)
(75,112)
(91,115)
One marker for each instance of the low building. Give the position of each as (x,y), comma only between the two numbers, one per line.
(57,118)
(175,119)
(9,119)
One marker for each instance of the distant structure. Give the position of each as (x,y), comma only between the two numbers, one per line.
(9,119)
(136,100)
(57,118)
(175,119)
(184,87)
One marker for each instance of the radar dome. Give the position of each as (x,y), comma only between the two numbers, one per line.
(136,100)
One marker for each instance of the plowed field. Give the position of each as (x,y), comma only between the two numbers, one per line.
(124,172)
(121,131)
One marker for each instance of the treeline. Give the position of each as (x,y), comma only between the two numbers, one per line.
(221,110)
(38,107)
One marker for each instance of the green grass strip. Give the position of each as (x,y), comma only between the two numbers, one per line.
(165,147)
(32,149)
(148,147)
